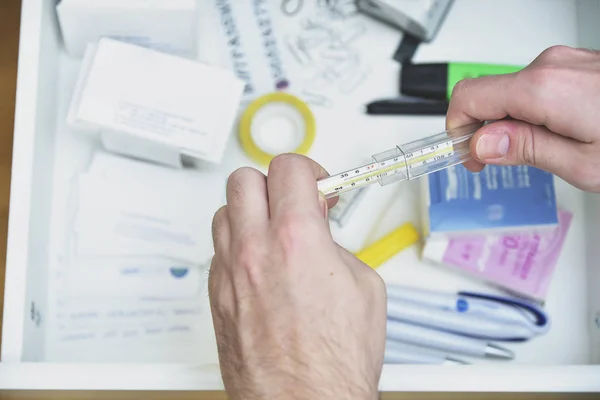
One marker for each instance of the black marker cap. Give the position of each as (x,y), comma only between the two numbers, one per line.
(407,106)
(429,81)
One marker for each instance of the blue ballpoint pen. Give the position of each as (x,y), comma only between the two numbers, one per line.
(470,314)
(401,353)
(415,335)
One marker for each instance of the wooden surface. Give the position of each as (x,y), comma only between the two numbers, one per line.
(9,33)
(9,24)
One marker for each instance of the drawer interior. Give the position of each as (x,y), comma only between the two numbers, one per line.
(52,328)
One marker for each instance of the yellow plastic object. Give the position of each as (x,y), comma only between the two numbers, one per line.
(389,245)
(245,125)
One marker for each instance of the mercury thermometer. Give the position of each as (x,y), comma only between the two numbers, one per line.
(405,162)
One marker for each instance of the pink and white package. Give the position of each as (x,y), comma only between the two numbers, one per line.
(522,263)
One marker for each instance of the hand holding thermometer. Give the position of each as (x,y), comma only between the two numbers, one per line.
(405,162)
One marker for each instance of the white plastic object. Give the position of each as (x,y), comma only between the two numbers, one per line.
(406,162)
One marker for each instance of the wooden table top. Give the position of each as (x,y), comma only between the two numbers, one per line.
(9,36)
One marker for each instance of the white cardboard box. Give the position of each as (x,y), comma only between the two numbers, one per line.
(165,25)
(154,106)
(47,155)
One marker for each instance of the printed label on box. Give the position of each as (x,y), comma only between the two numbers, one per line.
(520,262)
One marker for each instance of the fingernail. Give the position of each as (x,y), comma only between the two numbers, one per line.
(323,204)
(492,145)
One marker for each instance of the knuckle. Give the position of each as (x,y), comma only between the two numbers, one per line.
(212,278)
(220,298)
(248,250)
(249,255)
(539,83)
(219,290)
(542,76)
(220,221)
(295,224)
(461,86)
(235,182)
(294,232)
(556,52)
(589,51)
(527,151)
(243,174)
(285,159)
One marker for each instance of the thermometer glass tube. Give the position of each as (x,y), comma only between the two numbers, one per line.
(405,162)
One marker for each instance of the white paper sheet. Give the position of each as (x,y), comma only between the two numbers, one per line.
(138,295)
(149,278)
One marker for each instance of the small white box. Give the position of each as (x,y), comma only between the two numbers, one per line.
(165,25)
(154,106)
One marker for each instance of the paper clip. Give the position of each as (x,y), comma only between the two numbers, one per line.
(290,10)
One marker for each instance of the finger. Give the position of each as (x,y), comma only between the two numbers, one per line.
(212,280)
(559,54)
(220,291)
(292,186)
(326,203)
(591,54)
(462,146)
(520,143)
(471,100)
(473,165)
(247,200)
(541,96)
(221,231)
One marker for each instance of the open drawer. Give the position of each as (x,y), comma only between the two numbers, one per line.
(47,155)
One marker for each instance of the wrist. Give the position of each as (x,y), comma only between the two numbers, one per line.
(296,387)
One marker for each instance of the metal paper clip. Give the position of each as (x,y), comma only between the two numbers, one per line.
(291,7)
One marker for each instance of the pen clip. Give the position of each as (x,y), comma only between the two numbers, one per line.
(542,319)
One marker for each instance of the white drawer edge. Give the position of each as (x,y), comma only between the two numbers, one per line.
(20,190)
(48,376)
(45,376)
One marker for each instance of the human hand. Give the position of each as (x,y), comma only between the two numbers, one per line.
(295,315)
(555,106)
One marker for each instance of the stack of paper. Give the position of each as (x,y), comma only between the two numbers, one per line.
(164,25)
(142,231)
(139,251)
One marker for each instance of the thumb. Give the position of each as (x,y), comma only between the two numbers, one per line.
(521,143)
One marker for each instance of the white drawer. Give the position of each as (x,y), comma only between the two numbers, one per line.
(46,155)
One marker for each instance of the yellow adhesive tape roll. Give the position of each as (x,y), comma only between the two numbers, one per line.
(388,246)
(290,111)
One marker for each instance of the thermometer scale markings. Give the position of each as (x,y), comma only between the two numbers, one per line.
(365,174)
